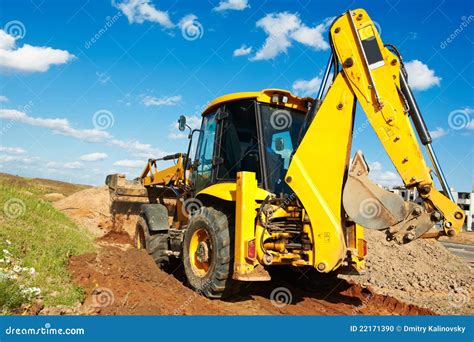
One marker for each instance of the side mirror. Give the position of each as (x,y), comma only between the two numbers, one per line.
(182,123)
(279,144)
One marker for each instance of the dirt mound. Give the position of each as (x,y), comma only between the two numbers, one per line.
(127,281)
(119,237)
(422,272)
(401,279)
(54,196)
(89,208)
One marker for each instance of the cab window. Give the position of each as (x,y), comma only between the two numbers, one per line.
(202,176)
(239,148)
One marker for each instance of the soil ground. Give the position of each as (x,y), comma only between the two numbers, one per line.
(121,280)
(419,278)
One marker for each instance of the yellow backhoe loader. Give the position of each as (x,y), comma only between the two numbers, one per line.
(271,182)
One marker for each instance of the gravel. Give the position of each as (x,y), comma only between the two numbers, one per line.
(421,272)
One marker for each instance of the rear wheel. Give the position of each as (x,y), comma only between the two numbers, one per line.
(156,244)
(207,253)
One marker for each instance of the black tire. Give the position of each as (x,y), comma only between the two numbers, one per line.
(156,244)
(217,282)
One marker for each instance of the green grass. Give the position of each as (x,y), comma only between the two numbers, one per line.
(10,295)
(40,236)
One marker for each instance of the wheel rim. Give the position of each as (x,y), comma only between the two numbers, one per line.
(200,252)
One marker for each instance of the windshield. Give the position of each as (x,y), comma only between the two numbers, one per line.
(281,127)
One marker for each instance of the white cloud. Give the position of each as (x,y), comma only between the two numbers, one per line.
(420,77)
(18,159)
(29,58)
(59,126)
(307,87)
(12,150)
(237,5)
(438,133)
(73,165)
(63,127)
(135,164)
(3,99)
(7,42)
(163,101)
(193,121)
(93,156)
(382,177)
(134,146)
(311,36)
(283,28)
(52,165)
(139,11)
(242,51)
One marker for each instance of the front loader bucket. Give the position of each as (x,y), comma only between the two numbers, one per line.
(127,197)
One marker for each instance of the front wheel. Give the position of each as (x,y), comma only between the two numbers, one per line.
(207,255)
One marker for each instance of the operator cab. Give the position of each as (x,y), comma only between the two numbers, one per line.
(255,132)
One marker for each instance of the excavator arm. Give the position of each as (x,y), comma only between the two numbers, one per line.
(366,71)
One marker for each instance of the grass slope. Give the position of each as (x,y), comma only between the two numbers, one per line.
(38,236)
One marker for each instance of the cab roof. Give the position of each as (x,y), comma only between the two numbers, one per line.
(265,96)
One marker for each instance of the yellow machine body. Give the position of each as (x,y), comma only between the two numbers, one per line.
(320,170)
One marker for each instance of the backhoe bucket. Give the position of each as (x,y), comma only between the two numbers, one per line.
(373,207)
(367,203)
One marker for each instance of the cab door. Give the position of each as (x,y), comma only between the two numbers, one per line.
(203,171)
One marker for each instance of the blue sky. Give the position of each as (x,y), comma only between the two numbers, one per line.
(93,87)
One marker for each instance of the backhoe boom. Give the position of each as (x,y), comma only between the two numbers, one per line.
(372,74)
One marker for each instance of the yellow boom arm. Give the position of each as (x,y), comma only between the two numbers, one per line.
(319,171)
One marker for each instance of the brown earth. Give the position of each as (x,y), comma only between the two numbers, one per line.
(121,280)
(419,278)
(89,209)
